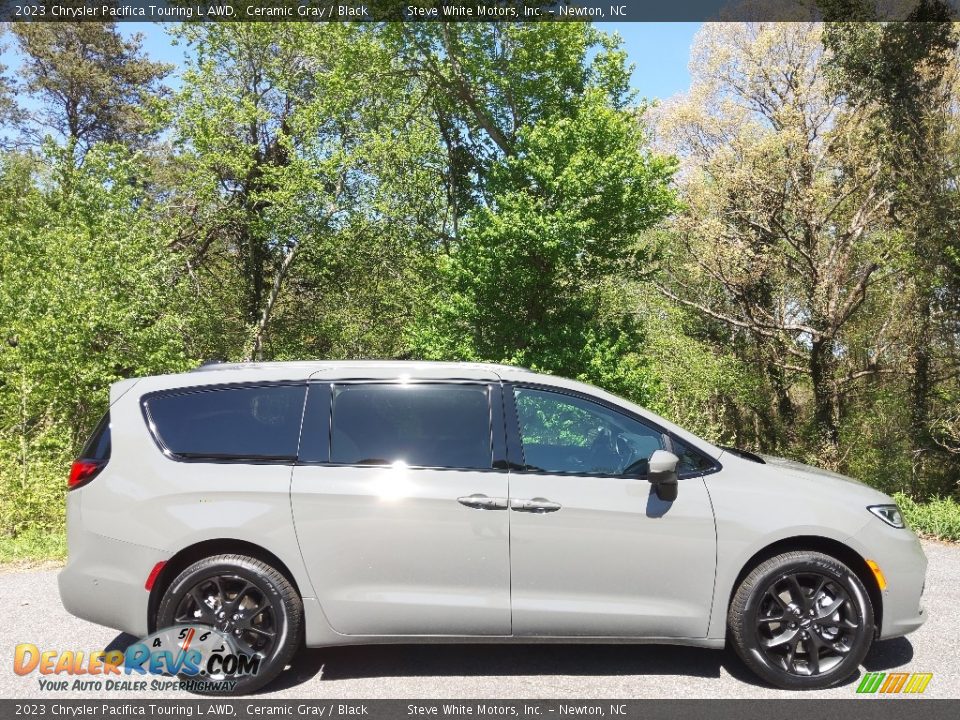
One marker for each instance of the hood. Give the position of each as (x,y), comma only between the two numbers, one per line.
(798,468)
(823,478)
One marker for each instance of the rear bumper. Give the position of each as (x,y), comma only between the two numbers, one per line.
(103,581)
(904,565)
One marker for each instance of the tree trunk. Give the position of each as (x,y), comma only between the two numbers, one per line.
(929,244)
(824,400)
(256,351)
(783,410)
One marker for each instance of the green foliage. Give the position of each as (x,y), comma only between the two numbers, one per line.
(488,83)
(308,192)
(697,384)
(939,518)
(903,77)
(86,300)
(566,212)
(876,431)
(898,65)
(493,192)
(35,544)
(544,421)
(94,84)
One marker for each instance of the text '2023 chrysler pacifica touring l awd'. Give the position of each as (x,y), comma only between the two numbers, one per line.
(330,503)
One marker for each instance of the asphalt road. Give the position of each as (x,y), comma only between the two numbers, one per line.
(34,614)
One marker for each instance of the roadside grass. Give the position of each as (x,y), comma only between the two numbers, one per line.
(34,545)
(939,518)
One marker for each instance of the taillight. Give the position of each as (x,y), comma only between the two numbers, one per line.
(83,471)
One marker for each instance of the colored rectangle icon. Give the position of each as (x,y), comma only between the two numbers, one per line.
(894,683)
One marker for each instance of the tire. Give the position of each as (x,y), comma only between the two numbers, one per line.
(825,627)
(246,583)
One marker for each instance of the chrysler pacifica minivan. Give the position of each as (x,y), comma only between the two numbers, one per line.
(330,503)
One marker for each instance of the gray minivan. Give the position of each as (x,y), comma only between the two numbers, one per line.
(330,503)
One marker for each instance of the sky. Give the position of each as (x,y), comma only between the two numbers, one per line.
(659,51)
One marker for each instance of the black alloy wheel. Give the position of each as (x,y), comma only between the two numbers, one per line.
(234,606)
(807,623)
(243,598)
(801,620)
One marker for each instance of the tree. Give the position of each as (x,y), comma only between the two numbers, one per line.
(10,112)
(783,235)
(566,191)
(487,82)
(87,299)
(300,145)
(898,74)
(91,84)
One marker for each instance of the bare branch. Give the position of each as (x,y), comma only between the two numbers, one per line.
(752,325)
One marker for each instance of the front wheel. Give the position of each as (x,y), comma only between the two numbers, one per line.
(246,600)
(801,621)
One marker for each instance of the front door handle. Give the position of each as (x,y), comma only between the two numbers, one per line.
(478,501)
(537,505)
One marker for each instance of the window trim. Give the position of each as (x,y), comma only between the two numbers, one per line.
(328,395)
(506,443)
(197,389)
(515,440)
(496,422)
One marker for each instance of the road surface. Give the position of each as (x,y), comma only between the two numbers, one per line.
(34,614)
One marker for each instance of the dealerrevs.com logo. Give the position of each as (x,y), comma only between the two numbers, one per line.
(201,658)
(894,683)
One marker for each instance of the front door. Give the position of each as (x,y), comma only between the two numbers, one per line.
(594,552)
(401,518)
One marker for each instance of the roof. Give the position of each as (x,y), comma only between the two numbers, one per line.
(315,365)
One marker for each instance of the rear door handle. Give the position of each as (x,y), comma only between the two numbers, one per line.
(478,501)
(537,505)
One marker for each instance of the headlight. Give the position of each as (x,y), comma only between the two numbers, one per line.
(890,514)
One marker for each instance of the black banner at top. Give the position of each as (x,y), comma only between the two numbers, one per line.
(473,10)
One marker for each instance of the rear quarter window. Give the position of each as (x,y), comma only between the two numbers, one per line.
(237,423)
(98,446)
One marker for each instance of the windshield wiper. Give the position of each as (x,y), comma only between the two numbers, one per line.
(745,454)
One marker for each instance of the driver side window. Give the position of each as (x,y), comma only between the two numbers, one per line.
(565,434)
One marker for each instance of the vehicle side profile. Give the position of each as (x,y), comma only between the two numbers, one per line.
(332,503)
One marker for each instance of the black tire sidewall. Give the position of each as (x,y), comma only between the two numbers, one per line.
(269,582)
(746,640)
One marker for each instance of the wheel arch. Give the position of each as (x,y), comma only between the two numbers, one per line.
(828,546)
(204,549)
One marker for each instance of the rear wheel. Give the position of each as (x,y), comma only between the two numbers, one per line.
(801,620)
(244,599)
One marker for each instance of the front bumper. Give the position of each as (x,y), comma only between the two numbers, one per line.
(904,565)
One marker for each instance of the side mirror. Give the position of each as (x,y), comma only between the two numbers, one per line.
(663,474)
